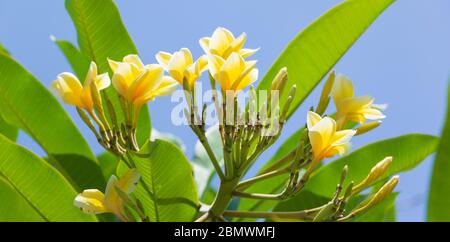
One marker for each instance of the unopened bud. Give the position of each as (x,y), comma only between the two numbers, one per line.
(367,127)
(324,96)
(375,173)
(384,191)
(280,80)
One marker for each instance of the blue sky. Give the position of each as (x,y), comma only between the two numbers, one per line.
(402,60)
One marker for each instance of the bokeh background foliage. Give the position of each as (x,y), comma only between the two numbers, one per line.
(36,183)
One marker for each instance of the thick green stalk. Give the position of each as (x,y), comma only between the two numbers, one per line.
(223,197)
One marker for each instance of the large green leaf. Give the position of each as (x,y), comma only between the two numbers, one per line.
(316,49)
(14,208)
(439,195)
(167,188)
(26,104)
(102,35)
(8,130)
(78,61)
(39,184)
(108,163)
(203,168)
(3,50)
(407,152)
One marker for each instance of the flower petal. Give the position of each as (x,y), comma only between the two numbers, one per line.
(215,63)
(90,201)
(163,59)
(247,52)
(204,43)
(312,119)
(220,40)
(128,181)
(342,137)
(373,114)
(342,88)
(134,59)
(231,70)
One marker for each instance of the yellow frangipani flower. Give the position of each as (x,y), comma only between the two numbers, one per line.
(180,65)
(351,108)
(93,201)
(233,73)
(223,43)
(325,140)
(69,88)
(139,83)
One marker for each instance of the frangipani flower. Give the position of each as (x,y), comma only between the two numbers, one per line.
(180,65)
(233,73)
(69,88)
(325,140)
(351,108)
(139,83)
(223,43)
(93,201)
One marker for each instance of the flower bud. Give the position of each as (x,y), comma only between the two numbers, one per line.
(279,82)
(324,96)
(367,127)
(375,173)
(384,191)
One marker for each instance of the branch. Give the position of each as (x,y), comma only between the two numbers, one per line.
(245,184)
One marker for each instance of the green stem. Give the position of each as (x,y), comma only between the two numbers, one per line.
(286,159)
(223,197)
(259,195)
(302,215)
(245,184)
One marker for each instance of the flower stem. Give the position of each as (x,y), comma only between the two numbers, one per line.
(245,184)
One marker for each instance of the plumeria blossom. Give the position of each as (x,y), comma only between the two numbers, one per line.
(139,83)
(93,201)
(223,43)
(351,108)
(233,73)
(72,92)
(180,65)
(325,140)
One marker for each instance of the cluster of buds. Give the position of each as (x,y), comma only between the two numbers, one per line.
(335,209)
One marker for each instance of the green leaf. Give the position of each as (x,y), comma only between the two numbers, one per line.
(28,105)
(203,168)
(407,152)
(108,163)
(102,35)
(439,195)
(79,62)
(314,51)
(169,138)
(8,130)
(14,208)
(3,50)
(167,188)
(39,184)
